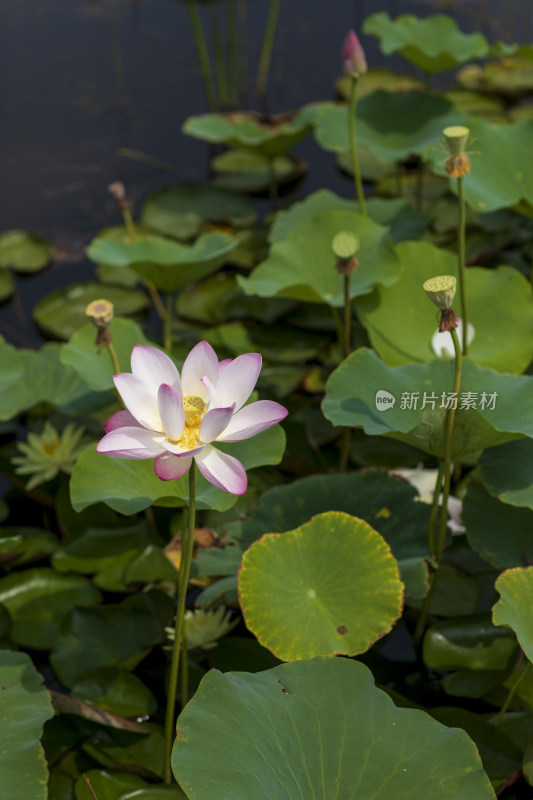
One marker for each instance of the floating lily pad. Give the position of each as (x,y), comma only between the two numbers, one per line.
(23,251)
(513,609)
(245,171)
(486,518)
(401,323)
(11,393)
(364,392)
(297,595)
(183,210)
(143,753)
(92,362)
(490,107)
(434,43)
(115,690)
(468,642)
(251,131)
(392,125)
(131,486)
(377,78)
(501,173)
(302,266)
(38,599)
(21,544)
(7,285)
(123,633)
(169,265)
(62,313)
(313,724)
(25,708)
(107,785)
(512,75)
(507,472)
(371,166)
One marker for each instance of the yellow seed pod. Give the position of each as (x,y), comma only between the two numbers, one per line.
(100,312)
(441,290)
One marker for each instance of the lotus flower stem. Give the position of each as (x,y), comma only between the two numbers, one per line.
(185,568)
(156,299)
(184,687)
(203,55)
(167,326)
(232,52)
(266,50)
(353,146)
(461,255)
(512,691)
(90,788)
(220,66)
(450,417)
(434,510)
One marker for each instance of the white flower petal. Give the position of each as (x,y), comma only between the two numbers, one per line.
(252,419)
(214,423)
(221,470)
(442,343)
(134,443)
(171,411)
(139,399)
(237,380)
(122,419)
(178,450)
(154,367)
(169,467)
(201,361)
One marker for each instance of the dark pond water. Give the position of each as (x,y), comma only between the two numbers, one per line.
(83,81)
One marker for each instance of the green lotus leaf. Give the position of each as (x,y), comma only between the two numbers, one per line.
(468,642)
(25,708)
(250,131)
(386,503)
(395,213)
(401,323)
(62,313)
(509,76)
(352,399)
(393,125)
(131,486)
(154,792)
(11,393)
(310,727)
(111,635)
(168,264)
(23,251)
(297,595)
(115,690)
(490,107)
(183,210)
(302,266)
(38,600)
(507,472)
(143,752)
(7,285)
(486,519)
(501,174)
(377,78)
(513,609)
(434,43)
(107,785)
(21,544)
(92,362)
(245,171)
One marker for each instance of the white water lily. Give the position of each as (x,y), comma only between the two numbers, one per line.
(442,343)
(205,627)
(175,419)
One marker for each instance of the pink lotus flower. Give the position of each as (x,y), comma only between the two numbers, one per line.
(353,55)
(175,419)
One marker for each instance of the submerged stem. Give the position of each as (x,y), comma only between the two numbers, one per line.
(266,50)
(461,258)
(353,147)
(203,55)
(450,417)
(185,568)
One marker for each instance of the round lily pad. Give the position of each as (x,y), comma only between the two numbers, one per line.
(302,266)
(318,728)
(401,323)
(183,210)
(507,472)
(510,75)
(434,43)
(23,251)
(392,125)
(311,591)
(245,171)
(170,265)
(7,285)
(515,587)
(377,78)
(251,131)
(62,313)
(406,402)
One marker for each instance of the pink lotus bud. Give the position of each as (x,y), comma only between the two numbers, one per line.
(353,55)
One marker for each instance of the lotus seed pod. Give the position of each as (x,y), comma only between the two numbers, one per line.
(456,138)
(441,290)
(345,245)
(100,312)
